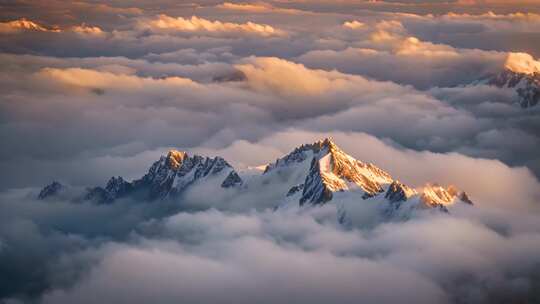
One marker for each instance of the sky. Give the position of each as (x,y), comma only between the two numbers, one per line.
(94,89)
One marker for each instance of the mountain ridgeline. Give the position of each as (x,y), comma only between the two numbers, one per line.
(311,175)
(167,178)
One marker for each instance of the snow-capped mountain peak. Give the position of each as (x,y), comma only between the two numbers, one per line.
(173,173)
(300,154)
(433,194)
(334,176)
(526,86)
(522,74)
(168,177)
(332,170)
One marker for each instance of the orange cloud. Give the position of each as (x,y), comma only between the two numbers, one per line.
(88,30)
(270,74)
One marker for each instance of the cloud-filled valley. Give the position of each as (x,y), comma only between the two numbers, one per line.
(437,98)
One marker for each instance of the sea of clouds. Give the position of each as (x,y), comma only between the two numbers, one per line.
(103,88)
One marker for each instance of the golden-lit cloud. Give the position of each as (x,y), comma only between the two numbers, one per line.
(197,24)
(289,78)
(95,79)
(88,30)
(522,63)
(414,47)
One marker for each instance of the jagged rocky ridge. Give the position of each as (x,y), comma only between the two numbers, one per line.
(166,178)
(335,175)
(321,173)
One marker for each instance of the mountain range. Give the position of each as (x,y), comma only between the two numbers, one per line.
(311,175)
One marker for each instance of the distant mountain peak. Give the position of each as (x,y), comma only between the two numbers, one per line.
(434,195)
(526,85)
(176,171)
(50,190)
(167,177)
(521,73)
(334,175)
(301,153)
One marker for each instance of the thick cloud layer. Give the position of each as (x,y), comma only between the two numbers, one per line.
(81,252)
(485,255)
(94,89)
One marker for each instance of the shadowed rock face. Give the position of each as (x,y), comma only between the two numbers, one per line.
(398,192)
(316,190)
(232,180)
(465,198)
